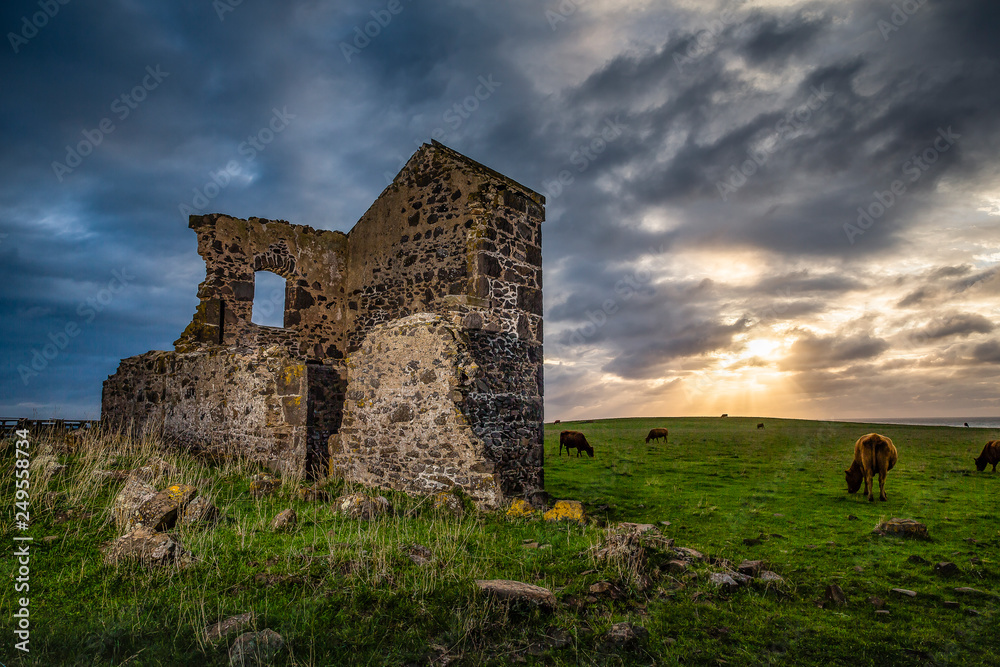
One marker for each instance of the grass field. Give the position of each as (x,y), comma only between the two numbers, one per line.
(343,591)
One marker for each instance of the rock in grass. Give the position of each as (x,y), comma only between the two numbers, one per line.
(448,503)
(313,493)
(750,567)
(285,520)
(835,593)
(902,528)
(158,512)
(520,508)
(904,592)
(625,634)
(148,547)
(200,510)
(419,555)
(129,499)
(723,582)
(769,577)
(566,510)
(360,506)
(256,649)
(182,494)
(518,591)
(946,569)
(263,484)
(228,626)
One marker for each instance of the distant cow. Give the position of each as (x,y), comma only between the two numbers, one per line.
(761,425)
(990,456)
(966,424)
(725,414)
(574,440)
(557,421)
(873,453)
(655,434)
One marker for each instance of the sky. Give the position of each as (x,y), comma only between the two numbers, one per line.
(761,207)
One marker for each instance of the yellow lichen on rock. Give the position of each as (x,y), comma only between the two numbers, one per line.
(519,508)
(566,510)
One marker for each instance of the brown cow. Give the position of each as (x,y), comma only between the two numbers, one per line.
(990,456)
(655,434)
(760,425)
(873,453)
(574,440)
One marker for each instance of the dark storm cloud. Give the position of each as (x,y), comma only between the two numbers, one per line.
(680,98)
(817,352)
(961,324)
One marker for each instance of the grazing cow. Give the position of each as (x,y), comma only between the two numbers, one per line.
(574,440)
(990,456)
(655,434)
(966,424)
(873,453)
(725,414)
(558,421)
(761,425)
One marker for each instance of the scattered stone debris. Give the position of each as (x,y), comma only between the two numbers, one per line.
(902,528)
(148,547)
(446,502)
(946,568)
(769,577)
(750,568)
(876,602)
(256,649)
(566,510)
(606,588)
(518,591)
(723,581)
(904,592)
(361,506)
(835,593)
(881,613)
(917,560)
(419,554)
(676,567)
(689,554)
(285,520)
(182,494)
(200,510)
(314,493)
(264,484)
(520,508)
(129,499)
(625,634)
(228,626)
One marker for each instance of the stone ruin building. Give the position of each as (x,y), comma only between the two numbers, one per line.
(411,352)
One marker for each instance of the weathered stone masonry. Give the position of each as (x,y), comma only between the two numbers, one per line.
(411,352)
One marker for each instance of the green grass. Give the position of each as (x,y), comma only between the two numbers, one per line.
(346,592)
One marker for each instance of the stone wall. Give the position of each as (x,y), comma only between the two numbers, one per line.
(449,238)
(263,404)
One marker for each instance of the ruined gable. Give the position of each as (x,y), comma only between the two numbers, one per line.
(450,245)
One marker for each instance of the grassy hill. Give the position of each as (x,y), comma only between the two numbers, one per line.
(345,591)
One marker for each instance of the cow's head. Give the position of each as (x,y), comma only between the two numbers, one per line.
(980,463)
(854,478)
(590,451)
